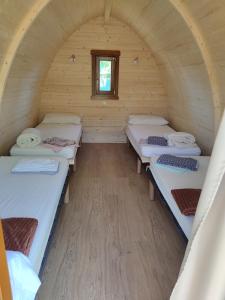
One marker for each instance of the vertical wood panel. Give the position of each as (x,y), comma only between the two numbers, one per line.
(159,24)
(190,98)
(68,85)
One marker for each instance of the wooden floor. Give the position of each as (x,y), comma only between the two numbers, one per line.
(111,242)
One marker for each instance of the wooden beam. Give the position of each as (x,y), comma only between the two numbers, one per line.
(108,9)
(5,288)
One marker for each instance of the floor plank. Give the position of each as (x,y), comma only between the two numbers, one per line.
(111,242)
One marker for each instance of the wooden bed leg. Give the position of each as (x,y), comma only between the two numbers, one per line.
(151,191)
(67,195)
(139,165)
(74,165)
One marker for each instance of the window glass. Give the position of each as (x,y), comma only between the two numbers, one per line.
(105,75)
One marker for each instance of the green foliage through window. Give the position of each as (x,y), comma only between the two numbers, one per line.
(105,75)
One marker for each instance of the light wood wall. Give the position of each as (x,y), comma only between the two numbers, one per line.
(14,115)
(26,52)
(209,17)
(186,38)
(181,64)
(11,14)
(67,87)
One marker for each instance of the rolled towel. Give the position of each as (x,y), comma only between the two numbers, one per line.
(29,138)
(36,165)
(180,139)
(178,162)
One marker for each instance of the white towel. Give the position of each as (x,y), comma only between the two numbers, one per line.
(29,138)
(36,165)
(180,139)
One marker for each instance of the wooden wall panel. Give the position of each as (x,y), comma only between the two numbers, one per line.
(210,18)
(181,63)
(186,39)
(67,87)
(19,101)
(11,13)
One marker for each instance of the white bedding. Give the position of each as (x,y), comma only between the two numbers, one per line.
(32,195)
(137,132)
(167,180)
(24,281)
(66,131)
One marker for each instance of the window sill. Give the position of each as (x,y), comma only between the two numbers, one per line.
(104,97)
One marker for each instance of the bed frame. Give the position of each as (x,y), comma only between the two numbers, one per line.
(65,197)
(5,287)
(140,159)
(73,161)
(154,187)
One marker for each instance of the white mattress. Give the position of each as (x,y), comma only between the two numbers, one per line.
(32,195)
(66,131)
(137,132)
(167,180)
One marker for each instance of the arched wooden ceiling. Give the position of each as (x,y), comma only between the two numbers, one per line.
(180,33)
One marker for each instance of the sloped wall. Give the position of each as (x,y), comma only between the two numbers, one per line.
(181,63)
(31,33)
(67,87)
(186,38)
(209,17)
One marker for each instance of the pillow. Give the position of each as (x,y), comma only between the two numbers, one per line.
(24,281)
(19,233)
(61,118)
(146,120)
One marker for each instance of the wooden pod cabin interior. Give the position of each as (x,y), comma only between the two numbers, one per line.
(110,240)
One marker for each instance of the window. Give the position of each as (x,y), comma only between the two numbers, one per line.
(105,74)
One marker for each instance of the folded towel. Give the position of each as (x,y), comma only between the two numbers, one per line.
(157,140)
(179,162)
(182,145)
(29,138)
(187,200)
(58,142)
(54,148)
(143,141)
(36,165)
(180,139)
(172,169)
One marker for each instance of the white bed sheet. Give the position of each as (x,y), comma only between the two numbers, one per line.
(66,131)
(137,132)
(32,195)
(167,180)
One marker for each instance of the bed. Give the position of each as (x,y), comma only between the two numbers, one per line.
(135,133)
(166,180)
(50,128)
(34,196)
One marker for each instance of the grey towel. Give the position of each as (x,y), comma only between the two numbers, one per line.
(179,162)
(157,140)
